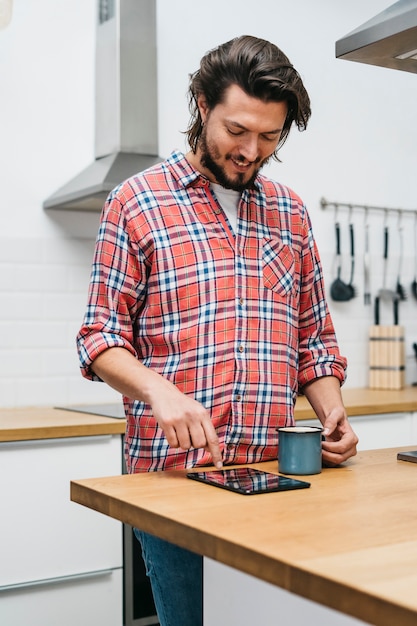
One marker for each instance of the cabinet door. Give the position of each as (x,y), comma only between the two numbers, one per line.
(413,429)
(385,430)
(43,534)
(243,600)
(89,601)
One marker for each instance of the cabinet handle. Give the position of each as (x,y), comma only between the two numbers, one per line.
(58,579)
(56,441)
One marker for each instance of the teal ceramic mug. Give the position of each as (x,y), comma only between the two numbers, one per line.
(299,449)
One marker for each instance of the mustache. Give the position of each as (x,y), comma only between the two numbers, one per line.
(242,160)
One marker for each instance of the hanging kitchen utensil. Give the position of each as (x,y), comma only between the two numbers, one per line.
(351,286)
(384,293)
(414,283)
(339,290)
(399,287)
(366,264)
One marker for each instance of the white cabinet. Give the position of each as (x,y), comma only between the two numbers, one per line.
(238,599)
(414,429)
(78,602)
(385,430)
(61,563)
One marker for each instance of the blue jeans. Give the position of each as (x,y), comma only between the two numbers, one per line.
(176,577)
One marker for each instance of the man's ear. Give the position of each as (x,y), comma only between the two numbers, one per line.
(202,107)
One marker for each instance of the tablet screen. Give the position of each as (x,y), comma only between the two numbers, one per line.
(247,480)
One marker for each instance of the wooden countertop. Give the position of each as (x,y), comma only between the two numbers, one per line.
(367,402)
(48,423)
(356,554)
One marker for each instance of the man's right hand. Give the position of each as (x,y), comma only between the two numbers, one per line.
(186,423)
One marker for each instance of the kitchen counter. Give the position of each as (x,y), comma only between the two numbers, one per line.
(349,542)
(367,402)
(46,422)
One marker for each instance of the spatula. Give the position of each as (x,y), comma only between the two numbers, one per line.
(352,261)
(384,293)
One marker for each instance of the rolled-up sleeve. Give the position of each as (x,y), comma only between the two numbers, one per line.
(114,291)
(319,353)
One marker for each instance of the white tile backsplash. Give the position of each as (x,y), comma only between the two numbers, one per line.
(40,277)
(8,395)
(70,304)
(37,335)
(7,280)
(41,390)
(21,305)
(15,363)
(14,249)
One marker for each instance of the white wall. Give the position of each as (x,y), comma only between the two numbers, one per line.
(359,148)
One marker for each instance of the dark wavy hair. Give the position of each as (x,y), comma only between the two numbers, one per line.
(261,70)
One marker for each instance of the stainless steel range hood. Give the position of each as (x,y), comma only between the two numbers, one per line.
(388,40)
(126,112)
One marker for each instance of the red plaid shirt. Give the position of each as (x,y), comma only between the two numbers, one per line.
(238,321)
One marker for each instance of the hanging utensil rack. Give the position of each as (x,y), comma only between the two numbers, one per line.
(365,207)
(386,211)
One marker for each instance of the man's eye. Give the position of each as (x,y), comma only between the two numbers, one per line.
(235,133)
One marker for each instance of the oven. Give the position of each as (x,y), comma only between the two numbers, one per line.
(138,604)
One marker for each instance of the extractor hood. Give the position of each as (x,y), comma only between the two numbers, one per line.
(126,112)
(389,39)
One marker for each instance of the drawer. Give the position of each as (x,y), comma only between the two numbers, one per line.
(83,600)
(43,534)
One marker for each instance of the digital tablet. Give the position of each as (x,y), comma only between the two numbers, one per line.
(408,456)
(247,480)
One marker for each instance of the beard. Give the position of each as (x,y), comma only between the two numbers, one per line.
(209,156)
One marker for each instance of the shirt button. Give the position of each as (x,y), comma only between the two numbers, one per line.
(241,301)
(230,446)
(238,398)
(241,348)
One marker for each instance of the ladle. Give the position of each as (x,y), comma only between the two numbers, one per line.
(339,290)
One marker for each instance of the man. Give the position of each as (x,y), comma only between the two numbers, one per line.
(206,305)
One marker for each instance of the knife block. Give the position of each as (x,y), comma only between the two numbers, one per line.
(386,357)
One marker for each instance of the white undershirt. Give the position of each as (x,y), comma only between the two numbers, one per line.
(228,200)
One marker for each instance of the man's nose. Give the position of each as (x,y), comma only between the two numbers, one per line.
(249,148)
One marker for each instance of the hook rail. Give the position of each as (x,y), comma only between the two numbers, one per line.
(365,207)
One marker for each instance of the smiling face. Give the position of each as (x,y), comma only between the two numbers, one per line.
(239,136)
